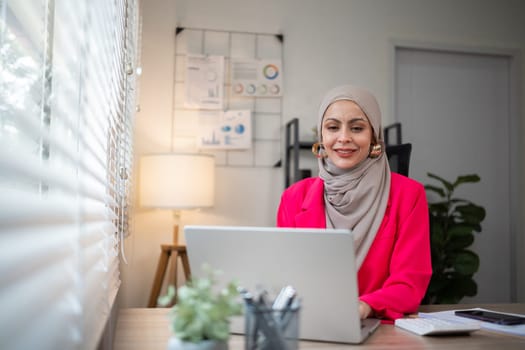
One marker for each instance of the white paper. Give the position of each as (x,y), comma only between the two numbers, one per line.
(204,82)
(260,78)
(225,130)
(449,315)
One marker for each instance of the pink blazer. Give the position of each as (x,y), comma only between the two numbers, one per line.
(395,274)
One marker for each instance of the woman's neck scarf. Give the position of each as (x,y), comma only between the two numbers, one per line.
(356,198)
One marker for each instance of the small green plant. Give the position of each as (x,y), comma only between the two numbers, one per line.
(452,224)
(202,313)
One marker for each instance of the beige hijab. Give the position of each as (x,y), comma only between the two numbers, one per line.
(356,198)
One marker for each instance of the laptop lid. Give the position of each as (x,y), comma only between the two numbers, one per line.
(318,263)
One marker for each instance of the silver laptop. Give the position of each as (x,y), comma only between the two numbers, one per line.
(318,263)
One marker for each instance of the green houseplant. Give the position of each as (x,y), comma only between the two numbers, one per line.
(453,222)
(201,317)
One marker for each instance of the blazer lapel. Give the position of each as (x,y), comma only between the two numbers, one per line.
(312,214)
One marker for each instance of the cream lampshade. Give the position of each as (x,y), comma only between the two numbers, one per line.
(177,181)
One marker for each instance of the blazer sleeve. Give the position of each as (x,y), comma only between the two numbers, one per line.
(286,211)
(410,265)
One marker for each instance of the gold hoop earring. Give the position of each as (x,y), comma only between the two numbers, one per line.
(318,150)
(375,151)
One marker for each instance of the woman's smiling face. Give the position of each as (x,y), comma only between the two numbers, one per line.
(346,134)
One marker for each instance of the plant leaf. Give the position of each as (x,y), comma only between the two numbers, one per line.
(165,300)
(462,229)
(461,242)
(438,208)
(445,183)
(435,189)
(457,287)
(471,178)
(471,213)
(466,263)
(469,287)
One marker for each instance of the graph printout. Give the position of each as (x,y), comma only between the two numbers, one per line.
(259,78)
(204,82)
(225,130)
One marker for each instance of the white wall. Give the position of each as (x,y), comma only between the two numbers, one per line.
(326,43)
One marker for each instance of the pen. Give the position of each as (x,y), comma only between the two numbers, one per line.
(269,320)
(283,301)
(271,338)
(284,298)
(289,314)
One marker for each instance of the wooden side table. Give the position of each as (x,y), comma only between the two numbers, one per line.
(175,251)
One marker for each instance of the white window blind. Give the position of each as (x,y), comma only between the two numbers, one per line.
(67,100)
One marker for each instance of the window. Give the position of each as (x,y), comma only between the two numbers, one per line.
(67,101)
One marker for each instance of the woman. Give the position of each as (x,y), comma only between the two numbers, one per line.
(387,212)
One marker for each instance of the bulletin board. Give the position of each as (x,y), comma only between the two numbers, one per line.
(264,106)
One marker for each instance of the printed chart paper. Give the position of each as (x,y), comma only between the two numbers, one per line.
(225,130)
(204,82)
(259,78)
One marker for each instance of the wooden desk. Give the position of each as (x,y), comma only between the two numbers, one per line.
(149,329)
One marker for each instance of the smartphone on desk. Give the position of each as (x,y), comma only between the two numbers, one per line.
(491,316)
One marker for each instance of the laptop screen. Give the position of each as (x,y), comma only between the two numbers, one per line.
(318,263)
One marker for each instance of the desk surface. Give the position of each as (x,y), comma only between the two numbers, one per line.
(143,328)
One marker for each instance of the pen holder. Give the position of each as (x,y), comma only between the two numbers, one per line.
(269,329)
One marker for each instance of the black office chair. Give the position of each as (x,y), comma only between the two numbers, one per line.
(399,157)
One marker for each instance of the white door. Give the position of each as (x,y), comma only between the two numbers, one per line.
(454,109)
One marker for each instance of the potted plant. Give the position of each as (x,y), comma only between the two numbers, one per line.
(200,319)
(452,224)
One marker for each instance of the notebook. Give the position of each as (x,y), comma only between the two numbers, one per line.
(318,263)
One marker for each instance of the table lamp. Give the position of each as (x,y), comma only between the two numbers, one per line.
(175,181)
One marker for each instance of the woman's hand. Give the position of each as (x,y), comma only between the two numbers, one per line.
(364,310)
